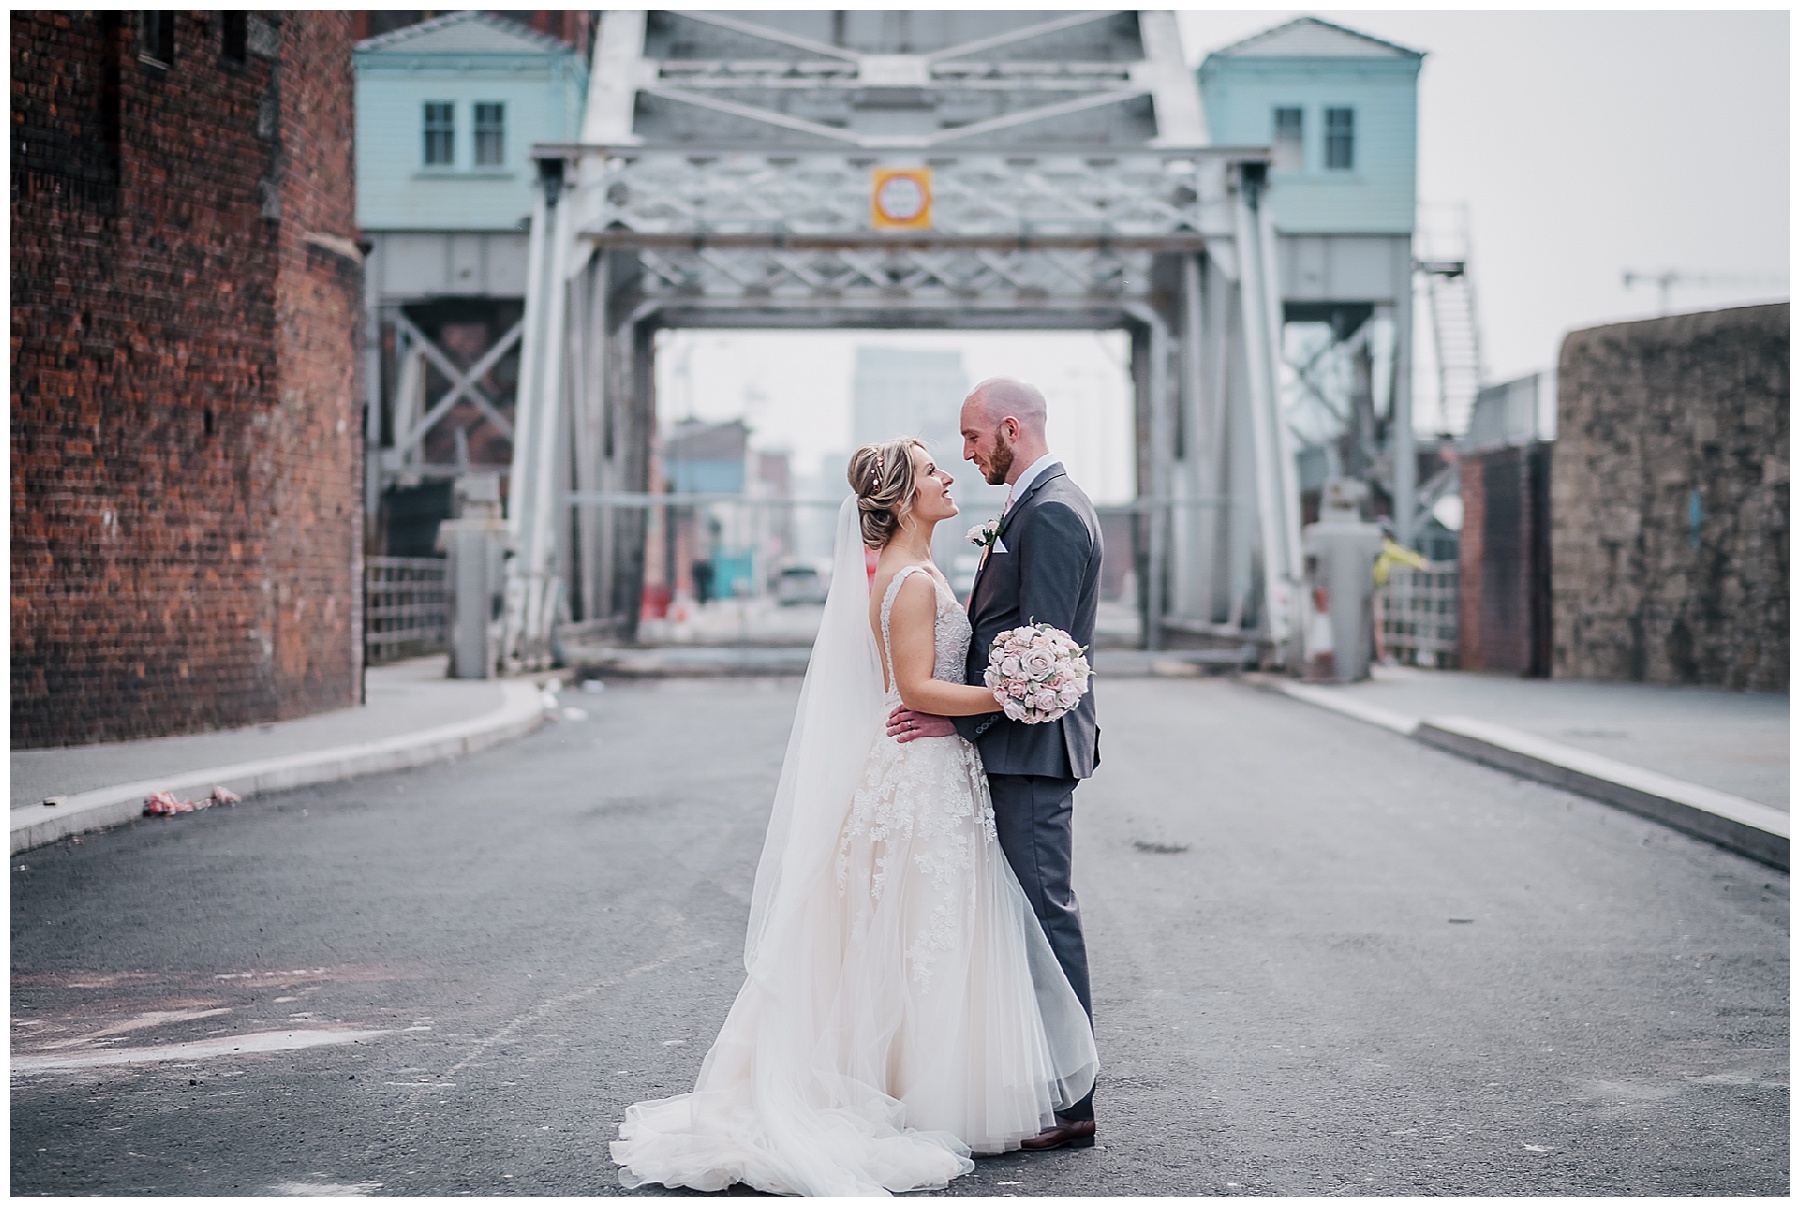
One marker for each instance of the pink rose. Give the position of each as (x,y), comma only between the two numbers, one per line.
(1038,663)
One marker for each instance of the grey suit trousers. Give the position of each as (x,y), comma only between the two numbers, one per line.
(1032,817)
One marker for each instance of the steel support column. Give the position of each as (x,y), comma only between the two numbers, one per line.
(531,505)
(1193,521)
(1287,492)
(1401,441)
(1255,284)
(1156,381)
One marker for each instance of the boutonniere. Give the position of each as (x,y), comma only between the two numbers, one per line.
(985,535)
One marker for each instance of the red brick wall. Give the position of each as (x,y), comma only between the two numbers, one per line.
(1503,617)
(174,494)
(315,438)
(1469,559)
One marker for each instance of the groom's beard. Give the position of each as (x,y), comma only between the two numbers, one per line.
(1000,464)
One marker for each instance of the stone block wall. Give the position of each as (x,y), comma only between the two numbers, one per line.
(185,413)
(1669,501)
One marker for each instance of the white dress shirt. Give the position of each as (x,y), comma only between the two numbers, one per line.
(1027,478)
(1019,488)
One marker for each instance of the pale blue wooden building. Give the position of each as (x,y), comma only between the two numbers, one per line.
(1340,109)
(446,112)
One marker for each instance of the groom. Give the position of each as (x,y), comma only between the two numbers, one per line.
(1044,568)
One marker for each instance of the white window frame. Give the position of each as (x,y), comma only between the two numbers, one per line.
(495,131)
(1289,153)
(446,131)
(1343,137)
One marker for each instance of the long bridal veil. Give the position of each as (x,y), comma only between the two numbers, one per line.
(839,715)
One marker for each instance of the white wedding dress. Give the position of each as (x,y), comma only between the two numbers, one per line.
(903,1007)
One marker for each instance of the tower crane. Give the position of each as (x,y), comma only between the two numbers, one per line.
(1667,279)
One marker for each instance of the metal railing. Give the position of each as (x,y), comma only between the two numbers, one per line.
(407,608)
(1417,614)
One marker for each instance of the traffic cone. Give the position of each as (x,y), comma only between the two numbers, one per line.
(1321,653)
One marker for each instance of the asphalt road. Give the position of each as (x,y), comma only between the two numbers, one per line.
(1326,960)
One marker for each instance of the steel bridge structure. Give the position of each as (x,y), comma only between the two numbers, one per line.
(1060,178)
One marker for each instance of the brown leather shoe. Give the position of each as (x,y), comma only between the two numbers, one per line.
(1067,1133)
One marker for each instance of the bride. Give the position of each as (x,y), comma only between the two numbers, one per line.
(902,1007)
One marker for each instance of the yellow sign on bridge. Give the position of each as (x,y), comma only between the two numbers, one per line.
(900,199)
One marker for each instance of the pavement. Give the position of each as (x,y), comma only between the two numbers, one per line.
(1327,960)
(1711,762)
(413,715)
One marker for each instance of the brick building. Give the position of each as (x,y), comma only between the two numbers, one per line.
(186,396)
(1504,584)
(1669,501)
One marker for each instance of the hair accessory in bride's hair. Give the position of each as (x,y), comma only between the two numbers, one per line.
(880,467)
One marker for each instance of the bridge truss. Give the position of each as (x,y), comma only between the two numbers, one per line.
(724,179)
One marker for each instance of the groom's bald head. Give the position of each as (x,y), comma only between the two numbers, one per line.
(1000,398)
(1003,428)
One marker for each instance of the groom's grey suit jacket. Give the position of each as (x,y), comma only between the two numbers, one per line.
(1049,574)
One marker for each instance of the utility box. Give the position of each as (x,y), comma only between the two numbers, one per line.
(1341,549)
(476,544)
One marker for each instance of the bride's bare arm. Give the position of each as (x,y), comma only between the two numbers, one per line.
(914,646)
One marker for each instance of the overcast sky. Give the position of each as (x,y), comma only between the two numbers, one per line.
(1583,144)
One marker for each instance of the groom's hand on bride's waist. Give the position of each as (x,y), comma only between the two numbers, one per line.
(904,725)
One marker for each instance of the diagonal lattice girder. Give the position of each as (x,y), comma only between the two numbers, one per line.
(1141,194)
(930,278)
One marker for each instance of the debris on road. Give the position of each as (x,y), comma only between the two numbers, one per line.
(164,804)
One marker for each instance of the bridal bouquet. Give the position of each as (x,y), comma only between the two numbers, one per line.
(1036,672)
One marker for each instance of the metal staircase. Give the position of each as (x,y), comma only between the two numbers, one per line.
(1443,270)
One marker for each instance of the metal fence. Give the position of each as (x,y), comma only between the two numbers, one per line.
(406,608)
(1417,614)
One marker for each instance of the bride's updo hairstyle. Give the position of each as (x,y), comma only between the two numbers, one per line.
(882,477)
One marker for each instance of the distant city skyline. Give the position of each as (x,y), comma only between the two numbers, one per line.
(796,391)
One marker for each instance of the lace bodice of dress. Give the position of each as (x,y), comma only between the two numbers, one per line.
(951,631)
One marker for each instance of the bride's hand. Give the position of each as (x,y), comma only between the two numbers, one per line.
(904,725)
